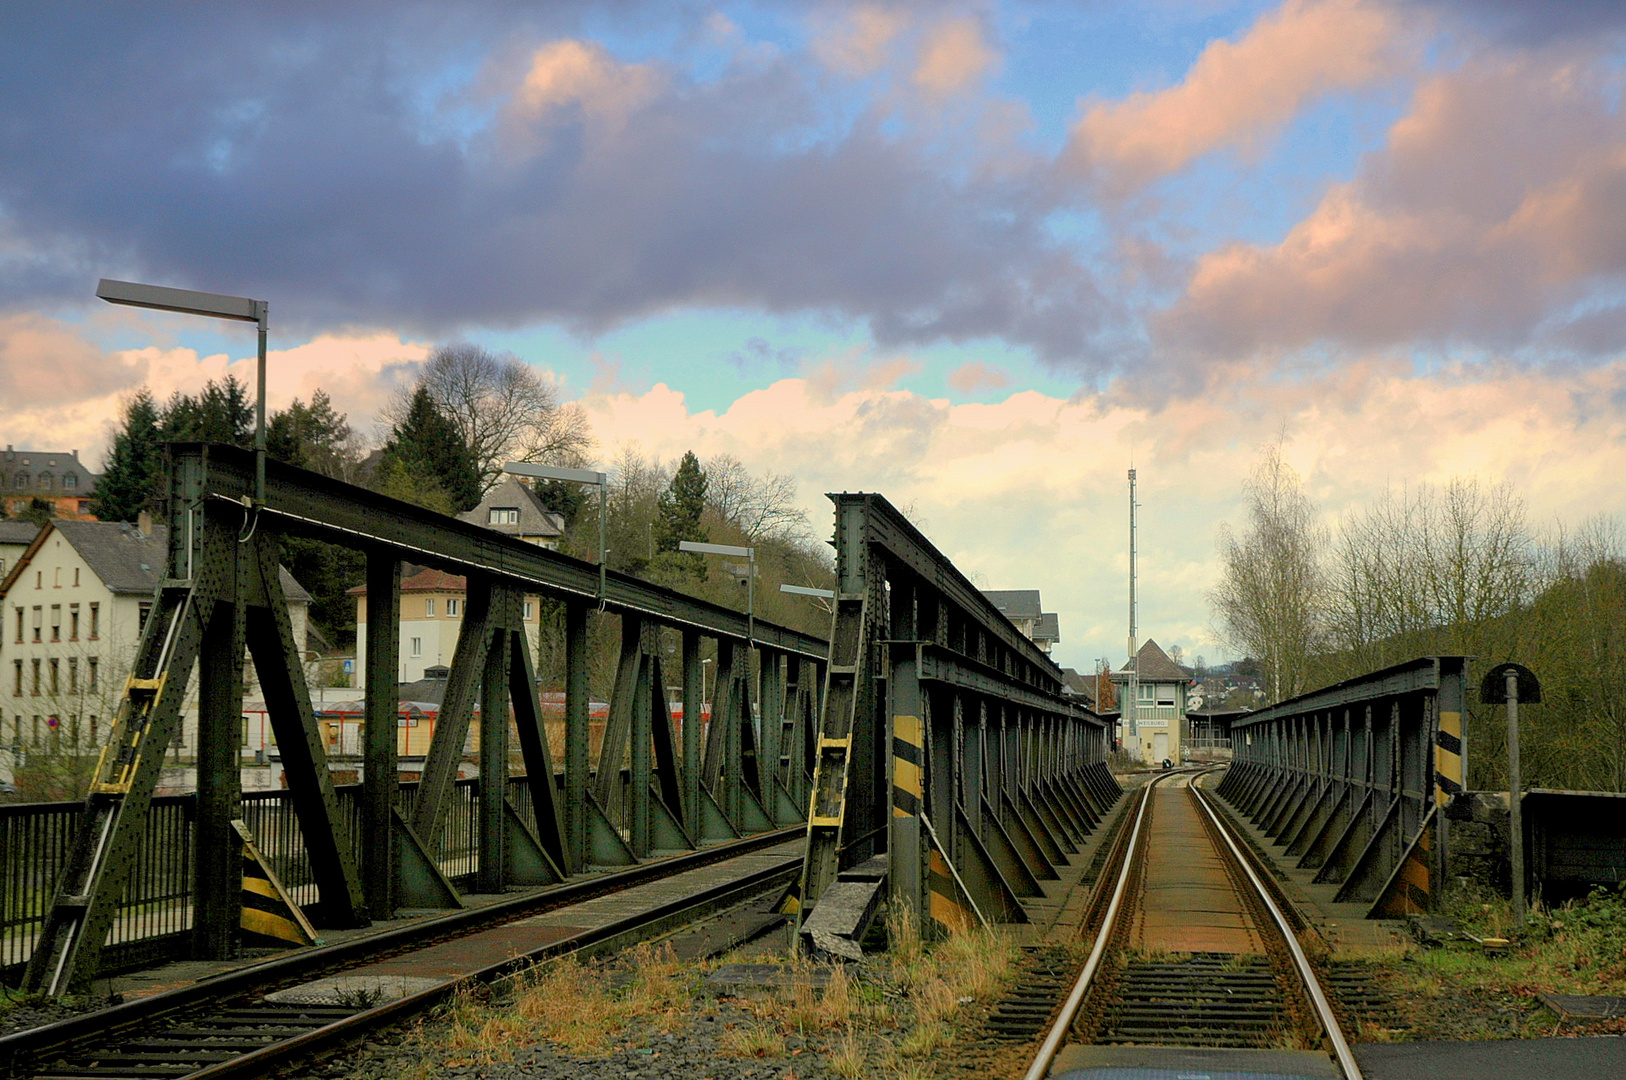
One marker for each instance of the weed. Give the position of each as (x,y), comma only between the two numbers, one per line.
(752,1041)
(847,1057)
(924,1040)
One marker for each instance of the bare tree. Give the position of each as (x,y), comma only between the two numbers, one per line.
(502,408)
(762,507)
(1272,587)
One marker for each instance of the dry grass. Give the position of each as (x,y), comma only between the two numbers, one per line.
(846,1057)
(752,1041)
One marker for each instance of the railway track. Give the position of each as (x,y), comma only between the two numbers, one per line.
(235,1026)
(1193,946)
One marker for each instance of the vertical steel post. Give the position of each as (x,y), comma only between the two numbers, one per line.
(576,733)
(217,898)
(638,773)
(493,872)
(694,674)
(380,850)
(1515,793)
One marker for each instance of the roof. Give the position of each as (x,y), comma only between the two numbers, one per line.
(18,532)
(126,560)
(1152,664)
(1015,603)
(1049,628)
(510,493)
(1077,683)
(51,464)
(424,579)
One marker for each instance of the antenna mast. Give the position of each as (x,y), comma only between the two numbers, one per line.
(1133,693)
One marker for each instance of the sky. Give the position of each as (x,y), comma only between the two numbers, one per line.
(980,257)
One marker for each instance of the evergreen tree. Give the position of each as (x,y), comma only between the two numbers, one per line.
(679,510)
(134,467)
(220,413)
(427,462)
(313,436)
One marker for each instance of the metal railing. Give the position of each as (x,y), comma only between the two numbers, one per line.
(155,915)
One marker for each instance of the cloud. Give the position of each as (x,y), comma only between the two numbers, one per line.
(855,40)
(971,376)
(1534,22)
(1492,211)
(60,390)
(44,364)
(953,57)
(360,170)
(1236,93)
(1018,489)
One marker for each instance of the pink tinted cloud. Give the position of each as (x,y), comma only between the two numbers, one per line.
(856,40)
(1236,93)
(954,56)
(44,363)
(973,376)
(1498,201)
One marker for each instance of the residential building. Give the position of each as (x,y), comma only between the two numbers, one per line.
(74,605)
(513,509)
(431,618)
(57,476)
(1153,723)
(15,536)
(1022,607)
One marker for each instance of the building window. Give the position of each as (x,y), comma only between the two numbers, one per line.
(527,614)
(1165,694)
(34,738)
(90,675)
(73,621)
(414,647)
(504,515)
(76,577)
(37,621)
(34,687)
(95,740)
(429,608)
(1145,692)
(69,481)
(17,676)
(22,481)
(141,615)
(452,607)
(56,676)
(56,577)
(95,621)
(45,481)
(56,622)
(73,674)
(19,625)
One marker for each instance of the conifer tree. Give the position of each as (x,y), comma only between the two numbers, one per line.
(427,462)
(132,472)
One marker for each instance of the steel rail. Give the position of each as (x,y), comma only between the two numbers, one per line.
(1081,986)
(1318,997)
(306,964)
(286,1051)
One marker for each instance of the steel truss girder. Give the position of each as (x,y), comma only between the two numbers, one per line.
(983,777)
(305,504)
(1349,778)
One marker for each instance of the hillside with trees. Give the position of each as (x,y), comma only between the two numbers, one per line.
(1457,569)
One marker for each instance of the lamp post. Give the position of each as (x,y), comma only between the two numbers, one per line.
(573,476)
(750,557)
(214,305)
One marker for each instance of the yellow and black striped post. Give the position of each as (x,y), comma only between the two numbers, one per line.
(268,910)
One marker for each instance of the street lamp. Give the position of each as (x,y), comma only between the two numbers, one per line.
(214,305)
(824,596)
(573,476)
(750,557)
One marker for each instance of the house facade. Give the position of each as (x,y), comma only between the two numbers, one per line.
(1022,607)
(513,509)
(432,605)
(74,605)
(1153,723)
(57,476)
(15,536)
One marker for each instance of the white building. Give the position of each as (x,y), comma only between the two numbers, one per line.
(74,604)
(15,536)
(513,509)
(1152,723)
(1022,607)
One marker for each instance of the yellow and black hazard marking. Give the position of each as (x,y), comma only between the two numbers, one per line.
(949,904)
(908,759)
(1448,758)
(1411,887)
(268,910)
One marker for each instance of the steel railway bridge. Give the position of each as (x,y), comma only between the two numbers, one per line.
(926,749)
